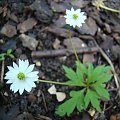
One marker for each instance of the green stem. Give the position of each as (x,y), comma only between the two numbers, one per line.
(110,9)
(73,46)
(60,83)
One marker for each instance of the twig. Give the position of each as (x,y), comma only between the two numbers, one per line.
(62,52)
(112,67)
(44,102)
(2,71)
(39,117)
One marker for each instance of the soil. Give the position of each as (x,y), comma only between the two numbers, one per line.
(103,27)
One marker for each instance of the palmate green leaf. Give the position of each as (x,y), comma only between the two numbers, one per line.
(80,103)
(93,98)
(90,73)
(102,91)
(87,99)
(67,107)
(75,78)
(80,99)
(82,67)
(103,78)
(98,72)
(80,76)
(70,73)
(76,101)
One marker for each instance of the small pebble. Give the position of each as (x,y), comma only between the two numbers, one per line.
(32,98)
(38,63)
(9,30)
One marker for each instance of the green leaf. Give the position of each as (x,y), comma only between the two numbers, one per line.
(77,101)
(9,51)
(80,76)
(12,56)
(82,67)
(87,99)
(80,102)
(90,73)
(67,107)
(2,54)
(75,78)
(102,91)
(103,78)
(98,72)
(2,58)
(93,97)
(70,73)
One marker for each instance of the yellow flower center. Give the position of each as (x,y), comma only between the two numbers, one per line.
(21,76)
(75,16)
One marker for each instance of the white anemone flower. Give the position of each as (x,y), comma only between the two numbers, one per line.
(75,17)
(21,76)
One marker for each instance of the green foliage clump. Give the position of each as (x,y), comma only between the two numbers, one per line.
(92,88)
(7,54)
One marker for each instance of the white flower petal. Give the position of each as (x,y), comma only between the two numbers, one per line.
(21,90)
(10,68)
(30,82)
(11,74)
(12,87)
(15,65)
(32,74)
(35,78)
(78,11)
(30,68)
(22,66)
(72,10)
(28,88)
(10,81)
(21,86)
(16,88)
(68,12)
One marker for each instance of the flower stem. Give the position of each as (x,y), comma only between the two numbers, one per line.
(110,9)
(73,45)
(60,83)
